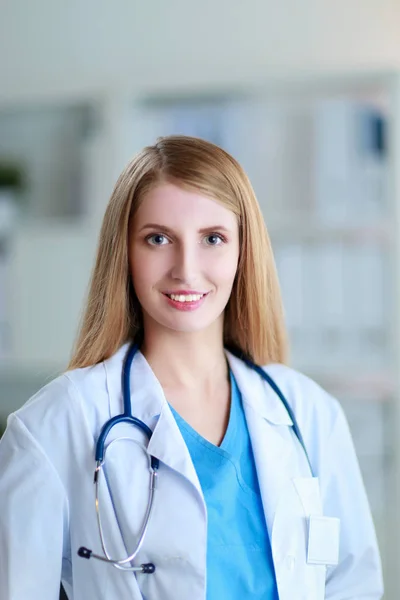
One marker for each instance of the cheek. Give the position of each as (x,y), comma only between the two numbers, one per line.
(139,270)
(146,268)
(224,271)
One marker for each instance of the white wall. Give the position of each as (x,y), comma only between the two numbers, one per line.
(48,46)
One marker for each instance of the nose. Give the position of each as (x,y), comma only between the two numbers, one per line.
(185,267)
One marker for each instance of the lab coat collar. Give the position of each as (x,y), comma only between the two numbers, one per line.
(148,399)
(147,395)
(257,393)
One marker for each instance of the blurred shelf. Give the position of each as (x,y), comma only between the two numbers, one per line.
(380,386)
(301,229)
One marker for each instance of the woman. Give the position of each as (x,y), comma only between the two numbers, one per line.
(241,509)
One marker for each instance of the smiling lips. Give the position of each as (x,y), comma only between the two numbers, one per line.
(185,300)
(193,297)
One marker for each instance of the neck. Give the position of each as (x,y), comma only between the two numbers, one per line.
(186,361)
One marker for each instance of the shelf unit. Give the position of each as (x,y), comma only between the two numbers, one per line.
(122,122)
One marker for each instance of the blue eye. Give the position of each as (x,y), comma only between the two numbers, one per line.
(157,239)
(214,239)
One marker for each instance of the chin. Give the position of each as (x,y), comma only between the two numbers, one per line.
(193,324)
(189,328)
(184,323)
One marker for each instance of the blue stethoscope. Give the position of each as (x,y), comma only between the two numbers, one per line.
(127,417)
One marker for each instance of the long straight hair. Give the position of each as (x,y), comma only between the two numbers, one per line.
(253,321)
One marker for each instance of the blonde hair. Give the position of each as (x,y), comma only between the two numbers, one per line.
(253,323)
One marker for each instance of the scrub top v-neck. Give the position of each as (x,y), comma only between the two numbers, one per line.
(239,560)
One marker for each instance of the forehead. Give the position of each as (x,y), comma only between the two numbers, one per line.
(171,205)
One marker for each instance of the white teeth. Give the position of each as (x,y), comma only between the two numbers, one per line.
(185,297)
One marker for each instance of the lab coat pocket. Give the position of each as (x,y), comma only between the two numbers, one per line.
(296,576)
(322,532)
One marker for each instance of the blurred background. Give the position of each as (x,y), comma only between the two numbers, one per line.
(306,95)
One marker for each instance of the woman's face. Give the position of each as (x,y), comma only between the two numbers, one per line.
(184,250)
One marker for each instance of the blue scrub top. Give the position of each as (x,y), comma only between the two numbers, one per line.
(239,560)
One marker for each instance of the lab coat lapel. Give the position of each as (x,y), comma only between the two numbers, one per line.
(150,406)
(126,463)
(269,428)
(168,445)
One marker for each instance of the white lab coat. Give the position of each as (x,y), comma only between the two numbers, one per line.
(47,506)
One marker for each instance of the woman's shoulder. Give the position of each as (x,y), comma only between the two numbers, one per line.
(75,399)
(62,394)
(86,389)
(311,403)
(296,382)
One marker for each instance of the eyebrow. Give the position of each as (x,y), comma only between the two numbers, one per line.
(169,230)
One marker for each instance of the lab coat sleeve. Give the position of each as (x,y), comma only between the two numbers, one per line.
(358,575)
(33,518)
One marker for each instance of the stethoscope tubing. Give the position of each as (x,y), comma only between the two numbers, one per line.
(127,417)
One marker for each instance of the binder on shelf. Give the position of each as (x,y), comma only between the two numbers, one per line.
(351,163)
(334,159)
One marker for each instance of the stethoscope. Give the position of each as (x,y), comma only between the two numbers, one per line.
(127,417)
